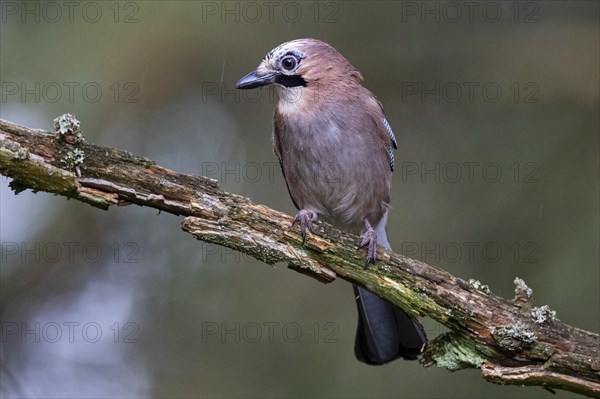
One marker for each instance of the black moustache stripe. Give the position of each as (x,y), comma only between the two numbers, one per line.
(290,81)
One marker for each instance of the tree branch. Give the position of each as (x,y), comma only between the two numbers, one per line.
(512,342)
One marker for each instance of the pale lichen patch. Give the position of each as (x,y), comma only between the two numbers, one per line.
(21,154)
(68,128)
(479,286)
(73,158)
(543,314)
(515,337)
(521,287)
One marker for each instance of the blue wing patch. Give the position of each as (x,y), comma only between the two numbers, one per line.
(390,132)
(391,152)
(394,143)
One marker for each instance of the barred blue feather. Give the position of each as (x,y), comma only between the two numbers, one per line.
(394,143)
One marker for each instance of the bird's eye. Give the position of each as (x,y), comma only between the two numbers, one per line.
(289,62)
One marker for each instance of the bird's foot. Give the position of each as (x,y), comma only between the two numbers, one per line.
(306,219)
(370,241)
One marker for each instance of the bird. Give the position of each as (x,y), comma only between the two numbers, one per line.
(336,148)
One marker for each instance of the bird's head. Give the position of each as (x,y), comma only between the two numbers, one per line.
(301,63)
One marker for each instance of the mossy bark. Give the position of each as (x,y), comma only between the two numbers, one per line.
(509,341)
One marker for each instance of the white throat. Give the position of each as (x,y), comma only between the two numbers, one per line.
(291,99)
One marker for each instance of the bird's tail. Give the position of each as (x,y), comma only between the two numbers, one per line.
(385,332)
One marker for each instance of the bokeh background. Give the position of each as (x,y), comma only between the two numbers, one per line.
(496,110)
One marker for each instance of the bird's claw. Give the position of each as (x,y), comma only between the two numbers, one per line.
(306,219)
(370,240)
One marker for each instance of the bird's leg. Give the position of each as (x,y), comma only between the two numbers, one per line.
(306,219)
(370,239)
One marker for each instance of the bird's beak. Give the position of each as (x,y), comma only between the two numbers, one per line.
(253,80)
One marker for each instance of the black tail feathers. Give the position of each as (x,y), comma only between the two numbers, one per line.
(385,332)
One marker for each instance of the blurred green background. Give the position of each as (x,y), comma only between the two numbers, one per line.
(496,111)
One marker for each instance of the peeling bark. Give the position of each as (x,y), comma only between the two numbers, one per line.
(512,342)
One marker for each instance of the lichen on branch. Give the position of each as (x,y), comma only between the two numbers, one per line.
(511,341)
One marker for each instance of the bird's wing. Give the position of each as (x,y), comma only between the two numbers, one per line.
(278,126)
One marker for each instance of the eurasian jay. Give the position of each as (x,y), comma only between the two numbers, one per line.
(336,150)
